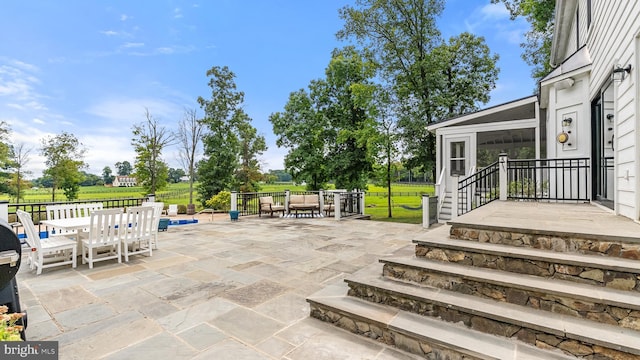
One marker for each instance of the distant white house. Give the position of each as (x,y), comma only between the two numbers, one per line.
(587,108)
(124,181)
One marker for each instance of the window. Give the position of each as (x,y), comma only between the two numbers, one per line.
(516,143)
(458,159)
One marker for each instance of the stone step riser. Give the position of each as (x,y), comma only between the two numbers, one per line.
(539,240)
(564,305)
(584,274)
(381,333)
(478,322)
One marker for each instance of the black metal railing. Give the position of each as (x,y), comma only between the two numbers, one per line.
(433,210)
(38,210)
(479,189)
(249,203)
(549,179)
(350,203)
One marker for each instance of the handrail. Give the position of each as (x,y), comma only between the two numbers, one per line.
(441,187)
(477,189)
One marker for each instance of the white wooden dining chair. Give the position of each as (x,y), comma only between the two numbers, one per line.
(103,241)
(87,208)
(61,211)
(138,237)
(47,252)
(157,214)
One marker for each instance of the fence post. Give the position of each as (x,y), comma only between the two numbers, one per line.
(321,194)
(504,178)
(287,195)
(4,210)
(426,222)
(361,202)
(454,197)
(234,201)
(151,197)
(337,204)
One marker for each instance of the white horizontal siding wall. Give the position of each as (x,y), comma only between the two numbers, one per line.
(613,40)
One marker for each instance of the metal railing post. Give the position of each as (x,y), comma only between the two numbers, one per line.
(321,195)
(361,193)
(504,176)
(454,198)
(337,204)
(287,195)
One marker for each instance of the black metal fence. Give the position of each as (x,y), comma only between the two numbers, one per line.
(479,189)
(549,179)
(38,211)
(433,210)
(249,203)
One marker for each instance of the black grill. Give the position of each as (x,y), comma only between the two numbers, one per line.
(10,257)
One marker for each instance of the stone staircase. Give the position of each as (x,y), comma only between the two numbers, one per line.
(490,292)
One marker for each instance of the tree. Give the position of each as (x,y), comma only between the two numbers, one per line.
(64,155)
(21,155)
(227,134)
(124,168)
(189,136)
(330,132)
(415,61)
(107,175)
(6,157)
(248,175)
(149,139)
(175,175)
(537,45)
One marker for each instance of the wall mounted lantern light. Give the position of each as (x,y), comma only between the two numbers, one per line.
(566,122)
(619,72)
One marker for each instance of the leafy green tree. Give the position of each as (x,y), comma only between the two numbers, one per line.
(230,142)
(124,168)
(175,175)
(6,157)
(107,175)
(331,132)
(149,140)
(416,62)
(91,179)
(537,44)
(248,175)
(64,155)
(189,136)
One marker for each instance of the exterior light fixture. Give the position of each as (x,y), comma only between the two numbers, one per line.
(619,72)
(566,122)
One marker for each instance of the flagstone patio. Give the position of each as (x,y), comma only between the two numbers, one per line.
(216,289)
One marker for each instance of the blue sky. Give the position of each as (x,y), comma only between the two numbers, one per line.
(91,67)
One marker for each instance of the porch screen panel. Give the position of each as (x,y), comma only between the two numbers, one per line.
(517,143)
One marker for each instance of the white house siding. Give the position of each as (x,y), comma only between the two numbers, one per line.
(613,40)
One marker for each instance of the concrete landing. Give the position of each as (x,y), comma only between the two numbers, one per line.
(585,220)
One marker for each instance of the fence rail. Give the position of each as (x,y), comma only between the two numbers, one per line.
(549,179)
(478,189)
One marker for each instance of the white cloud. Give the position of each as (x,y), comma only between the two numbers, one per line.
(165,50)
(109,32)
(124,17)
(38,121)
(177,13)
(494,11)
(132,45)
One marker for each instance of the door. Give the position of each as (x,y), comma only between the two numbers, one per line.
(603,150)
(457,159)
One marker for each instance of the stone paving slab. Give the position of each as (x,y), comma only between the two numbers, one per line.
(215,289)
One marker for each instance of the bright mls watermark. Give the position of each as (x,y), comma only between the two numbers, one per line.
(31,350)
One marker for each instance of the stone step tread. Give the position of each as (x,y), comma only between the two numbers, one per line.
(569,258)
(564,288)
(591,332)
(449,335)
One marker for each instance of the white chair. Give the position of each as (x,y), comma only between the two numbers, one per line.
(86,209)
(48,252)
(61,211)
(172,210)
(103,242)
(138,235)
(158,207)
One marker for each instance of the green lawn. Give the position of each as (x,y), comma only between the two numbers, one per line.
(375,201)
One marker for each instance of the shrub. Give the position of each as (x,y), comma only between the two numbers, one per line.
(182,209)
(221,201)
(9,331)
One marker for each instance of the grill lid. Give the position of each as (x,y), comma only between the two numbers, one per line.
(10,251)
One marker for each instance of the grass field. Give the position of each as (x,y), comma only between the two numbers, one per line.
(375,200)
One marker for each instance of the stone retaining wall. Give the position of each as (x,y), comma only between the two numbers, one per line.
(387,336)
(554,243)
(579,274)
(601,313)
(530,336)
